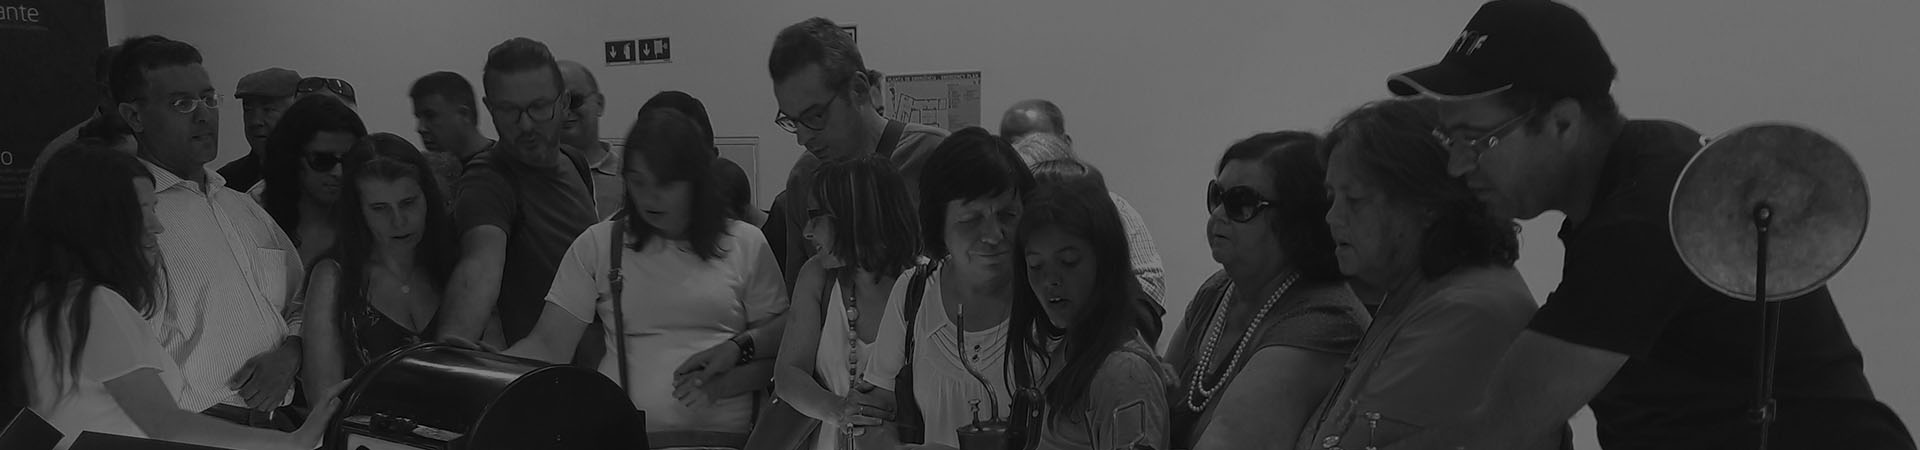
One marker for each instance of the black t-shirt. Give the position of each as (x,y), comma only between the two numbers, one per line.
(541,209)
(1689,381)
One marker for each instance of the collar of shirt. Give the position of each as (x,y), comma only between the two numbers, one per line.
(164,179)
(609,163)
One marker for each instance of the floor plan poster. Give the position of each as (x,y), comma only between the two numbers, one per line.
(949,100)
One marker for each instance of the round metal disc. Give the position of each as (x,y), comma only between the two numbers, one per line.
(1817,196)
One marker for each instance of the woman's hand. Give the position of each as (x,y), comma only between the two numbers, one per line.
(859,410)
(311,432)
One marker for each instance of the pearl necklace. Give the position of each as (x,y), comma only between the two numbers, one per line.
(1197,392)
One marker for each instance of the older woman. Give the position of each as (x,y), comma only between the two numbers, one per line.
(1453,301)
(1263,341)
(970,206)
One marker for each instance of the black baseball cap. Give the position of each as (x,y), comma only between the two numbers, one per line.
(1537,44)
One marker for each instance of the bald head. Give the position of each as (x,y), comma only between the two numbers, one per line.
(1033,116)
(582,128)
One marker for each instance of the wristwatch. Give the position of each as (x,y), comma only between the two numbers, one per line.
(745,342)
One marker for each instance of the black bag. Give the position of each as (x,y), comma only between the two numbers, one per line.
(910,425)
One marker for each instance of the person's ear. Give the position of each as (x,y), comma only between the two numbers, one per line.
(130,114)
(1565,118)
(859,87)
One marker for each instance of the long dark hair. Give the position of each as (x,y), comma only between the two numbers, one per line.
(1393,149)
(287,149)
(868,202)
(1105,324)
(387,157)
(675,149)
(83,231)
(970,164)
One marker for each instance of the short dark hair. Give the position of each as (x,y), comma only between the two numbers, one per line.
(686,104)
(1392,148)
(970,164)
(520,55)
(450,87)
(864,196)
(1300,204)
(735,189)
(816,41)
(1598,106)
(673,149)
(141,54)
(287,147)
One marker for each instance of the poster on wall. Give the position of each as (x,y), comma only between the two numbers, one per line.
(948,100)
(47,49)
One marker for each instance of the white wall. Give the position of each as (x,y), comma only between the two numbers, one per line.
(1154,91)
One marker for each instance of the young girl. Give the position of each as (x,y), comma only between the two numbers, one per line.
(1103,388)
(76,295)
(862,246)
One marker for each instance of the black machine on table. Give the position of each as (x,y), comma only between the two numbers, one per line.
(1768,212)
(435,396)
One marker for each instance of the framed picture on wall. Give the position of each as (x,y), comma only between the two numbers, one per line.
(745,151)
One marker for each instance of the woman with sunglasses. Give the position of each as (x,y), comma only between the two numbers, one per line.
(694,319)
(78,306)
(1263,340)
(301,176)
(861,247)
(380,285)
(1103,386)
(1453,301)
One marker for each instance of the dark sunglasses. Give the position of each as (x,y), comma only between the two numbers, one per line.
(322,162)
(338,86)
(1242,203)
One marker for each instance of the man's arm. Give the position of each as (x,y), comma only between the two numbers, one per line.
(475,285)
(1541,383)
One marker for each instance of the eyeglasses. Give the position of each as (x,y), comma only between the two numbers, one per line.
(1485,142)
(1242,203)
(814,118)
(186,105)
(322,162)
(539,111)
(338,86)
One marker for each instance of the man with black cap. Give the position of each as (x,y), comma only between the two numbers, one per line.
(263,95)
(1663,360)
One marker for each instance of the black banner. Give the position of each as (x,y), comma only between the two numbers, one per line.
(47,48)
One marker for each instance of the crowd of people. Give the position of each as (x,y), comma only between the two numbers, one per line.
(908,282)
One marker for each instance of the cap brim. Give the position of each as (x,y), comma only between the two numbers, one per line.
(1445,81)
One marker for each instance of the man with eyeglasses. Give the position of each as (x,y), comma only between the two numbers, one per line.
(521,203)
(582,132)
(232,276)
(264,96)
(1663,360)
(824,92)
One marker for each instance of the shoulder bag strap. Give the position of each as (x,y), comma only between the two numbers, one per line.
(890,138)
(615,283)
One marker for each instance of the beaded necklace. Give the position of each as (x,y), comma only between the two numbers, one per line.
(1198,393)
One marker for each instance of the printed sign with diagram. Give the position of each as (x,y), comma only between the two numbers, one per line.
(949,100)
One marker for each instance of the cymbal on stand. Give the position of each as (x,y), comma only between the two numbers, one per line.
(1814,191)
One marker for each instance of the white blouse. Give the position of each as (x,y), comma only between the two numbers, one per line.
(942,385)
(119,343)
(830,361)
(676,305)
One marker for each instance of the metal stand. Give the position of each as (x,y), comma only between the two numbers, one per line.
(1764,408)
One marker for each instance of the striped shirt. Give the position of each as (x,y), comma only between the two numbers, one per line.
(232,281)
(1144,258)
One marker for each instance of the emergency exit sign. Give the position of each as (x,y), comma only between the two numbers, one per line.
(651,50)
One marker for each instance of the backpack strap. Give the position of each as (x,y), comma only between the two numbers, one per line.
(890,138)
